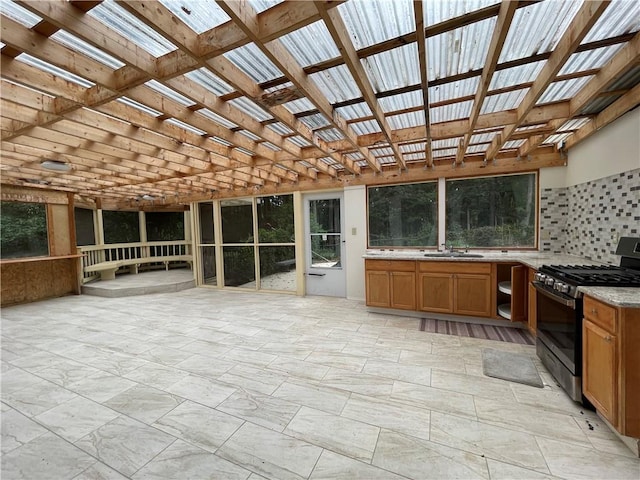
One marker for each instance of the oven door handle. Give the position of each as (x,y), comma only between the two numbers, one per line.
(556,298)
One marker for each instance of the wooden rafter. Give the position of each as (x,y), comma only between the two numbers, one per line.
(418,14)
(503,22)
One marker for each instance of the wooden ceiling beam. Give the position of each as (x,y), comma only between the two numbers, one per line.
(423,63)
(583,21)
(338,31)
(500,31)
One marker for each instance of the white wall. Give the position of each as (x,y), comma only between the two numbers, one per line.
(614,149)
(355,212)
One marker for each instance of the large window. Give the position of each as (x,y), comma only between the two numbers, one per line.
(491,211)
(403,215)
(23,230)
(485,212)
(121,227)
(164,226)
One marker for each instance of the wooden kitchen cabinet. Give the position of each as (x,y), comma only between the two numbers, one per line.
(462,288)
(391,284)
(610,360)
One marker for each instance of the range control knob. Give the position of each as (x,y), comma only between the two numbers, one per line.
(561,287)
(539,277)
(549,281)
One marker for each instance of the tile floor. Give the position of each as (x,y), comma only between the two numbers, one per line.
(223,384)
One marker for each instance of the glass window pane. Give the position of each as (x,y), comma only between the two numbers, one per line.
(23,230)
(85,233)
(239,267)
(164,226)
(206,223)
(492,211)
(237,221)
(325,250)
(120,227)
(324,215)
(278,268)
(403,215)
(209,265)
(275,219)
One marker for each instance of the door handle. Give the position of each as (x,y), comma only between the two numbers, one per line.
(316,274)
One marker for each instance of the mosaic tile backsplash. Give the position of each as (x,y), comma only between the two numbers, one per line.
(587,219)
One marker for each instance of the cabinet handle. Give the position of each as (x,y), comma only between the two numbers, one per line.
(608,338)
(594,311)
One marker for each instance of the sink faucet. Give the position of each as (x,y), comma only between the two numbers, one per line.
(450,248)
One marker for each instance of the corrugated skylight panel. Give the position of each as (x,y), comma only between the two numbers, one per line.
(139,106)
(622,16)
(52,69)
(330,135)
(250,108)
(336,84)
(511,144)
(413,147)
(477,148)
(503,101)
(449,152)
(299,105)
(222,141)
(249,135)
(537,28)
(250,59)
(451,90)
(515,75)
(381,151)
(315,121)
(414,157)
(446,113)
(460,50)
(19,14)
(394,68)
(357,110)
(439,11)
(388,160)
(557,138)
(406,120)
(445,143)
(402,101)
(373,21)
(280,128)
(262,5)
(199,16)
(299,141)
(311,44)
(582,61)
(185,126)
(80,46)
(573,124)
(483,137)
(210,81)
(355,156)
(216,118)
(366,127)
(169,93)
(563,90)
(118,19)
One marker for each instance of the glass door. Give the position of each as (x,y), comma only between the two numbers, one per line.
(324,221)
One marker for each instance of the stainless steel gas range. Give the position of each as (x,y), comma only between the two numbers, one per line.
(559,310)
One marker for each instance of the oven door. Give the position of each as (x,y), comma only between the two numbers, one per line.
(559,319)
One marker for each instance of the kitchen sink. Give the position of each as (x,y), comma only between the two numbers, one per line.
(453,255)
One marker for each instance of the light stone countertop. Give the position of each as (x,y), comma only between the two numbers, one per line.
(619,296)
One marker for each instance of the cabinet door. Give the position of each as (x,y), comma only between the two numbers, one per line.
(435,292)
(599,370)
(518,293)
(378,289)
(532,313)
(403,290)
(472,295)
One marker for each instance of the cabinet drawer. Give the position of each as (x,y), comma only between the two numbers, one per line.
(390,265)
(455,267)
(601,314)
